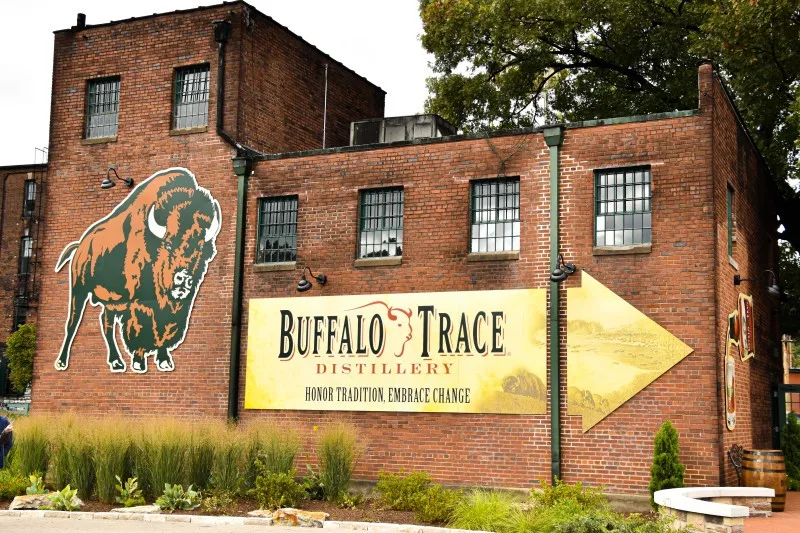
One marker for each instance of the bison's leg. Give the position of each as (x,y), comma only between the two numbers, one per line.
(115,362)
(74,314)
(139,361)
(164,360)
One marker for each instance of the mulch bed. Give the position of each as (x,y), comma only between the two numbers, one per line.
(368,511)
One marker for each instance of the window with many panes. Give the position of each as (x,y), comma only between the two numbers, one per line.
(191,97)
(277,230)
(102,108)
(25,254)
(494,207)
(29,199)
(622,206)
(381,223)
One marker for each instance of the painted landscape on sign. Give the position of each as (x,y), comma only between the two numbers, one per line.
(613,351)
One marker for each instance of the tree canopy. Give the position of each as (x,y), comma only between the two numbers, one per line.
(511,63)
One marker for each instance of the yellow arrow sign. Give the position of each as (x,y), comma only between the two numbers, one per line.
(613,351)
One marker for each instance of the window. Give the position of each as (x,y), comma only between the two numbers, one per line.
(277,230)
(622,207)
(494,206)
(191,97)
(381,223)
(102,108)
(25,254)
(29,199)
(730,220)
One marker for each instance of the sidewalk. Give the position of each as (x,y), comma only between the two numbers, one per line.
(786,522)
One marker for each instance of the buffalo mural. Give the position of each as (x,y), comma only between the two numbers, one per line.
(143,264)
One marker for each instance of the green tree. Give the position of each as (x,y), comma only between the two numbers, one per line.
(789,276)
(790,443)
(507,63)
(667,469)
(20,348)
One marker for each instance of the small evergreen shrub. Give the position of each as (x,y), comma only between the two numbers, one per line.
(790,443)
(400,491)
(436,504)
(667,469)
(176,499)
(11,484)
(338,453)
(20,348)
(487,511)
(276,490)
(129,494)
(219,502)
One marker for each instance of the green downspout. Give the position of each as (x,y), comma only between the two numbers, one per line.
(241,167)
(553,138)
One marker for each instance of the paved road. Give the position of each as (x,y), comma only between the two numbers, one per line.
(71,525)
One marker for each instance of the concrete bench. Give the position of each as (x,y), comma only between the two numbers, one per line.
(714,509)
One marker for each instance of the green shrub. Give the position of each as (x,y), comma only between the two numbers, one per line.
(20,349)
(226,472)
(129,494)
(436,504)
(36,486)
(31,450)
(667,470)
(62,500)
(338,453)
(219,502)
(164,455)
(176,499)
(110,461)
(487,511)
(400,491)
(585,497)
(548,518)
(11,484)
(81,466)
(276,490)
(790,443)
(200,462)
(312,484)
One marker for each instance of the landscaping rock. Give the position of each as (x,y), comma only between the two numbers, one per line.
(37,501)
(297,517)
(139,509)
(260,513)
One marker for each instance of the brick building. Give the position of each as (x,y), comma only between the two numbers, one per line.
(657,212)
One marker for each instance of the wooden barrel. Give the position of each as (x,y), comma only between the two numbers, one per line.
(765,468)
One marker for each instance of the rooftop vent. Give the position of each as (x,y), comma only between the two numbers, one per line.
(393,129)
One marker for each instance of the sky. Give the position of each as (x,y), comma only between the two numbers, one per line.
(378,39)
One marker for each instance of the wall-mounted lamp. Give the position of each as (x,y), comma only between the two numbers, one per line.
(773,289)
(304,284)
(107,183)
(562,270)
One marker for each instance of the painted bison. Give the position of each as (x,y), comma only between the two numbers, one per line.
(143,264)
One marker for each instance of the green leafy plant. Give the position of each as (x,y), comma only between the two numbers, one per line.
(36,486)
(63,500)
(585,497)
(790,443)
(176,499)
(436,504)
(276,490)
(667,469)
(338,453)
(399,491)
(20,349)
(349,500)
(219,502)
(11,484)
(129,494)
(313,484)
(487,511)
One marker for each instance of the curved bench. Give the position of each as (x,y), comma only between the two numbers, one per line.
(714,509)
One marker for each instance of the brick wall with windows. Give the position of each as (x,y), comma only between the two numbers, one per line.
(668,273)
(154,57)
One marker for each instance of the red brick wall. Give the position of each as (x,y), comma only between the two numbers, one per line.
(736,164)
(144,54)
(512,450)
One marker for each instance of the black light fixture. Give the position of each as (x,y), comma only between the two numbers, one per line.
(107,183)
(304,284)
(773,289)
(562,270)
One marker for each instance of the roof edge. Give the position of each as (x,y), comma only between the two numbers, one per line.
(38,166)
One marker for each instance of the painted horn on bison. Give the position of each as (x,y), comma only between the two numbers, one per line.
(154,227)
(214,228)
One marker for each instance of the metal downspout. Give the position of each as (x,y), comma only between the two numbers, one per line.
(553,137)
